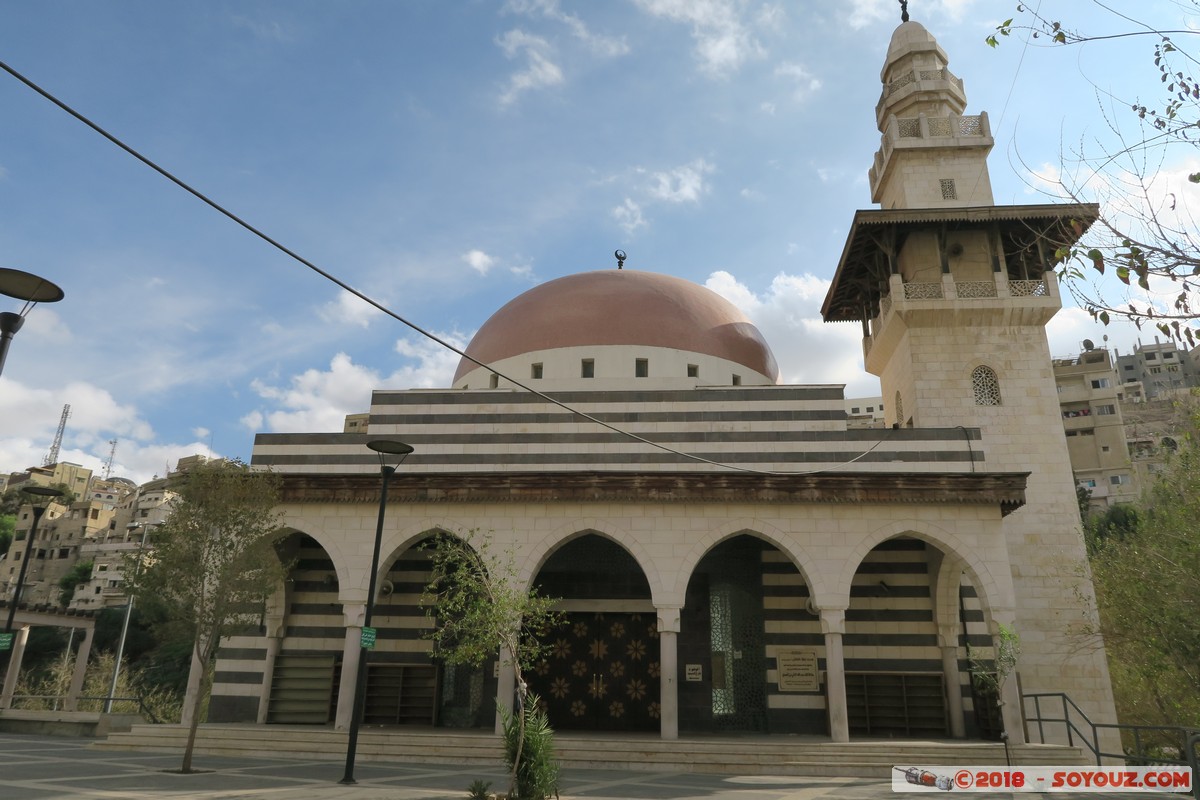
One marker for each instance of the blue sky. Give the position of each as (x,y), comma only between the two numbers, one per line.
(444,156)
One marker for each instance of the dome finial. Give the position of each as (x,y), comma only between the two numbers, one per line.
(620,255)
(904,10)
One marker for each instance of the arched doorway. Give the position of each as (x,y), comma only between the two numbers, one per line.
(913,613)
(305,627)
(406,683)
(602,672)
(747,618)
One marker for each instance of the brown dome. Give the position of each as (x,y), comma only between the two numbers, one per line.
(621,307)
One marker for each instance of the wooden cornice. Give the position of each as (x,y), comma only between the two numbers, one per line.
(1005,489)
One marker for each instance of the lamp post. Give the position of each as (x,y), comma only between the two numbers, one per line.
(38,511)
(27,287)
(383,448)
(112,689)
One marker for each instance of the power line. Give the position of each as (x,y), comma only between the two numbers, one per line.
(370,301)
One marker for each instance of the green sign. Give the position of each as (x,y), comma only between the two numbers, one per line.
(5,641)
(368,638)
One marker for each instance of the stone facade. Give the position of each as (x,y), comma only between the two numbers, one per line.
(731,557)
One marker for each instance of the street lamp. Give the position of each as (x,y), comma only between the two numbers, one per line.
(27,287)
(112,689)
(398,451)
(38,511)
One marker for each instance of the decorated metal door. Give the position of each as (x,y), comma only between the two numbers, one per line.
(602,673)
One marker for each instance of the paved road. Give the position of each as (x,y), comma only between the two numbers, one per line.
(48,768)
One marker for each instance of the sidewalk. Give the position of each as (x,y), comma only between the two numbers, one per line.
(47,768)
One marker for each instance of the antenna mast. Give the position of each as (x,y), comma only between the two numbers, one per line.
(112,453)
(52,456)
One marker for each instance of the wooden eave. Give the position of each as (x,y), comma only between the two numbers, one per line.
(856,281)
(1005,489)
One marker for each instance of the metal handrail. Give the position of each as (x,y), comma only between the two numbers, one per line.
(1189,738)
(142,707)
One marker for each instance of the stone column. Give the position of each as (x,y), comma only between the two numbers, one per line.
(80,672)
(1010,694)
(20,637)
(351,653)
(505,686)
(264,692)
(195,675)
(948,642)
(833,625)
(668,663)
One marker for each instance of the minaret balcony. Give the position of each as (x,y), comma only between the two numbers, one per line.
(921,86)
(924,132)
(950,303)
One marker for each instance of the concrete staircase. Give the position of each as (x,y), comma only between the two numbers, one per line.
(746,755)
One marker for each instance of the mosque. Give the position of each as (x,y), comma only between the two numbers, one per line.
(743,562)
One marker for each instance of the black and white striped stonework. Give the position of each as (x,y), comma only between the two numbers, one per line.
(773,428)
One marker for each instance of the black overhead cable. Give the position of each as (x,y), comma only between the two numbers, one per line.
(422,331)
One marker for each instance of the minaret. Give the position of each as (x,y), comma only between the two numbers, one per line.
(954,293)
(931,156)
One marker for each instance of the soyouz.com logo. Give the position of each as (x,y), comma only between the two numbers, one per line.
(1041,779)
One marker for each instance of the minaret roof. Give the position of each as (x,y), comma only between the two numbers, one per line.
(910,37)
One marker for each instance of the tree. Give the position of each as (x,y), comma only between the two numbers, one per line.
(1146,571)
(8,524)
(80,573)
(1146,235)
(480,612)
(212,564)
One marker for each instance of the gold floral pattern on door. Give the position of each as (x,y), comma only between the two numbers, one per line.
(601,673)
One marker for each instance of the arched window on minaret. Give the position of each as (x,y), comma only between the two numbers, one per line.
(986,386)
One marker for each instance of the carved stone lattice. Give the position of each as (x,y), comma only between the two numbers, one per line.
(986,386)
(901,82)
(940,126)
(910,128)
(933,74)
(970,126)
(1028,288)
(949,190)
(976,288)
(899,409)
(923,291)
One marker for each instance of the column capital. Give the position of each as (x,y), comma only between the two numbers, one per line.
(355,614)
(947,634)
(833,620)
(668,618)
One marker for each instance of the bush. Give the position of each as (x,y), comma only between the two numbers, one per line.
(537,772)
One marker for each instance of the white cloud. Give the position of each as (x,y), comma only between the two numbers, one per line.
(29,420)
(808,350)
(767,108)
(629,215)
(803,82)
(683,184)
(348,309)
(201,433)
(479,261)
(539,73)
(602,45)
(433,366)
(319,400)
(3,172)
(723,41)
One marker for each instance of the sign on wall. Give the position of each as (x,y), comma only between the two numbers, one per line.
(797,669)
(694,672)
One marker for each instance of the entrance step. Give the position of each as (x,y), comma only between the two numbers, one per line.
(748,755)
